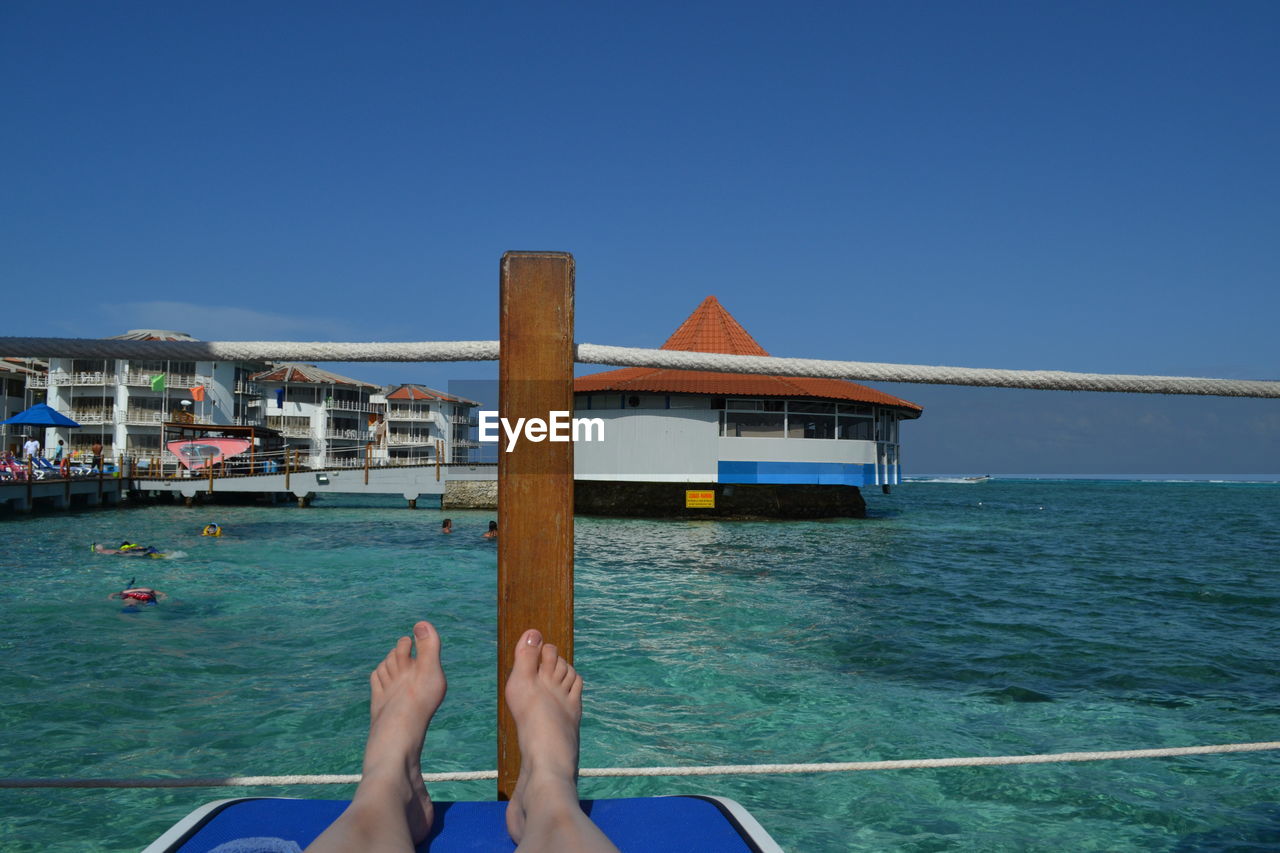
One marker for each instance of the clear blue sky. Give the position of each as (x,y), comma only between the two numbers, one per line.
(1086,186)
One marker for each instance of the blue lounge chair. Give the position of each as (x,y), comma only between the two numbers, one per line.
(688,824)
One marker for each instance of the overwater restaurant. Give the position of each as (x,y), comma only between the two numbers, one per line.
(765,445)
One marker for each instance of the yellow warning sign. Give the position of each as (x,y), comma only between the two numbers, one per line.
(699,499)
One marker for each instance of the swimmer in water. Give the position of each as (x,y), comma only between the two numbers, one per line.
(139,596)
(446,526)
(492,532)
(129,549)
(391,809)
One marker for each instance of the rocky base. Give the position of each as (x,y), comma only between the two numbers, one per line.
(470,494)
(667,500)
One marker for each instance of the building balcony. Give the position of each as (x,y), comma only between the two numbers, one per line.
(93,416)
(253,389)
(409,415)
(339,405)
(171,380)
(410,440)
(144,417)
(61,378)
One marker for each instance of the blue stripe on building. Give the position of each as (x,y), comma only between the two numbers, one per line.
(821,473)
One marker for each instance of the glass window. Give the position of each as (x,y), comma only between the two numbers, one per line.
(856,429)
(753,425)
(811,426)
(851,409)
(808,406)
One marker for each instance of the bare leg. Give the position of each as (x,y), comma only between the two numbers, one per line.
(391,810)
(545,697)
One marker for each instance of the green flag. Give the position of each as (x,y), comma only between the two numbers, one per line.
(157,382)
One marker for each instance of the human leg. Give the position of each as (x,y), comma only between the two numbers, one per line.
(391,810)
(544,694)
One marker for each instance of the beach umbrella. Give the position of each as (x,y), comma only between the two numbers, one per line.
(41,415)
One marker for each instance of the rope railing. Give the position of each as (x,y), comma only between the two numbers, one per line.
(440,351)
(707,770)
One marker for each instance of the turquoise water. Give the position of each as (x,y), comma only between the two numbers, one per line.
(1005,617)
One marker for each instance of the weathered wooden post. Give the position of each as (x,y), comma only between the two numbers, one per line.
(535,479)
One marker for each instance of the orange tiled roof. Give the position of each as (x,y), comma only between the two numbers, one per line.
(710,328)
(307,373)
(422,392)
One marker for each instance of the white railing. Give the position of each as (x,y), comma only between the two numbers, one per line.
(348,434)
(61,378)
(409,415)
(251,388)
(93,416)
(143,416)
(402,440)
(171,380)
(370,408)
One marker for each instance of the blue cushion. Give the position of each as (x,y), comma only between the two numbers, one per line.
(693,824)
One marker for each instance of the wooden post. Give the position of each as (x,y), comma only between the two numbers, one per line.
(211,477)
(368,448)
(535,479)
(288,468)
(439,451)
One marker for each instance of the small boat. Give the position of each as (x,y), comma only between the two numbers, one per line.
(981,479)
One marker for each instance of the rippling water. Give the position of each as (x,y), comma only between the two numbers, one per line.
(1004,617)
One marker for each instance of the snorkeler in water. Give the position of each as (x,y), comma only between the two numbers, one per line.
(446,526)
(129,549)
(138,596)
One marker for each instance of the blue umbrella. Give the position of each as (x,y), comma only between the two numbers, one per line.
(40,415)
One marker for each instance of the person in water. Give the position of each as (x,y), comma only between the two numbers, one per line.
(211,529)
(391,810)
(492,532)
(446,526)
(126,549)
(138,596)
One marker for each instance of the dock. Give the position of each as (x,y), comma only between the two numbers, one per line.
(410,482)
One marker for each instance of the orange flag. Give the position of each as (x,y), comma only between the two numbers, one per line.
(197,393)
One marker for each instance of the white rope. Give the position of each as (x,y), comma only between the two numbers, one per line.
(1050,380)
(712,770)
(249,350)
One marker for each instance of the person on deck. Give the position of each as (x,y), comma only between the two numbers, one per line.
(391,810)
(30,449)
(96,450)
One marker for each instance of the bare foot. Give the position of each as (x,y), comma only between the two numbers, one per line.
(405,693)
(544,694)
(391,810)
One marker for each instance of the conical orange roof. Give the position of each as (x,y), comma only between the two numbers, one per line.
(711,328)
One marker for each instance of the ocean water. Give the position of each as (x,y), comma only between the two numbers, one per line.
(1014,616)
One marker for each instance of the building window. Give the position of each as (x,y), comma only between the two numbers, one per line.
(753,424)
(767,418)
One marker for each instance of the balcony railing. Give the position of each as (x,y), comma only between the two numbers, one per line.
(144,417)
(369,408)
(93,416)
(253,389)
(409,415)
(403,440)
(171,380)
(62,378)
